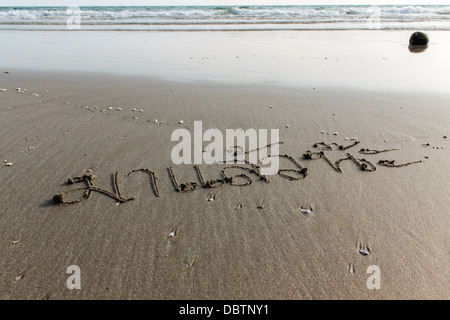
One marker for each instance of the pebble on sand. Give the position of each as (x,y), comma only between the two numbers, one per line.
(180,122)
(335,133)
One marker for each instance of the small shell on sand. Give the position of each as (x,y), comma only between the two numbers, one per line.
(346,138)
(305,211)
(119,109)
(141,110)
(155,121)
(171,234)
(9,164)
(2,90)
(322,132)
(180,122)
(110,108)
(287,126)
(19,277)
(335,133)
(134,109)
(364,252)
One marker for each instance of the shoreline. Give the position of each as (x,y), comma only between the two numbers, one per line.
(365,60)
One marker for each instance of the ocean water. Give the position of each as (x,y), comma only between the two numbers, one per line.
(213,18)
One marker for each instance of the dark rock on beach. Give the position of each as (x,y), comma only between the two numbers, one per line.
(418,39)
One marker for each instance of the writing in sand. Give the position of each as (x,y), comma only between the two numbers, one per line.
(244,178)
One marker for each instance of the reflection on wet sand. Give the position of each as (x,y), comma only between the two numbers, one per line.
(417,48)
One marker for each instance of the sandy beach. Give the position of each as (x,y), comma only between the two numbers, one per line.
(250,242)
(96,204)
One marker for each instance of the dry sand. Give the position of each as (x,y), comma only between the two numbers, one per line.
(124,250)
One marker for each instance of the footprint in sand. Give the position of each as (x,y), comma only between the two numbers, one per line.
(351,268)
(189,262)
(260,205)
(48,295)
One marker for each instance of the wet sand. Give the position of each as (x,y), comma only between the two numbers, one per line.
(250,242)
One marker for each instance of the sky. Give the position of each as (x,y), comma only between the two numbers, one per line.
(211,2)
